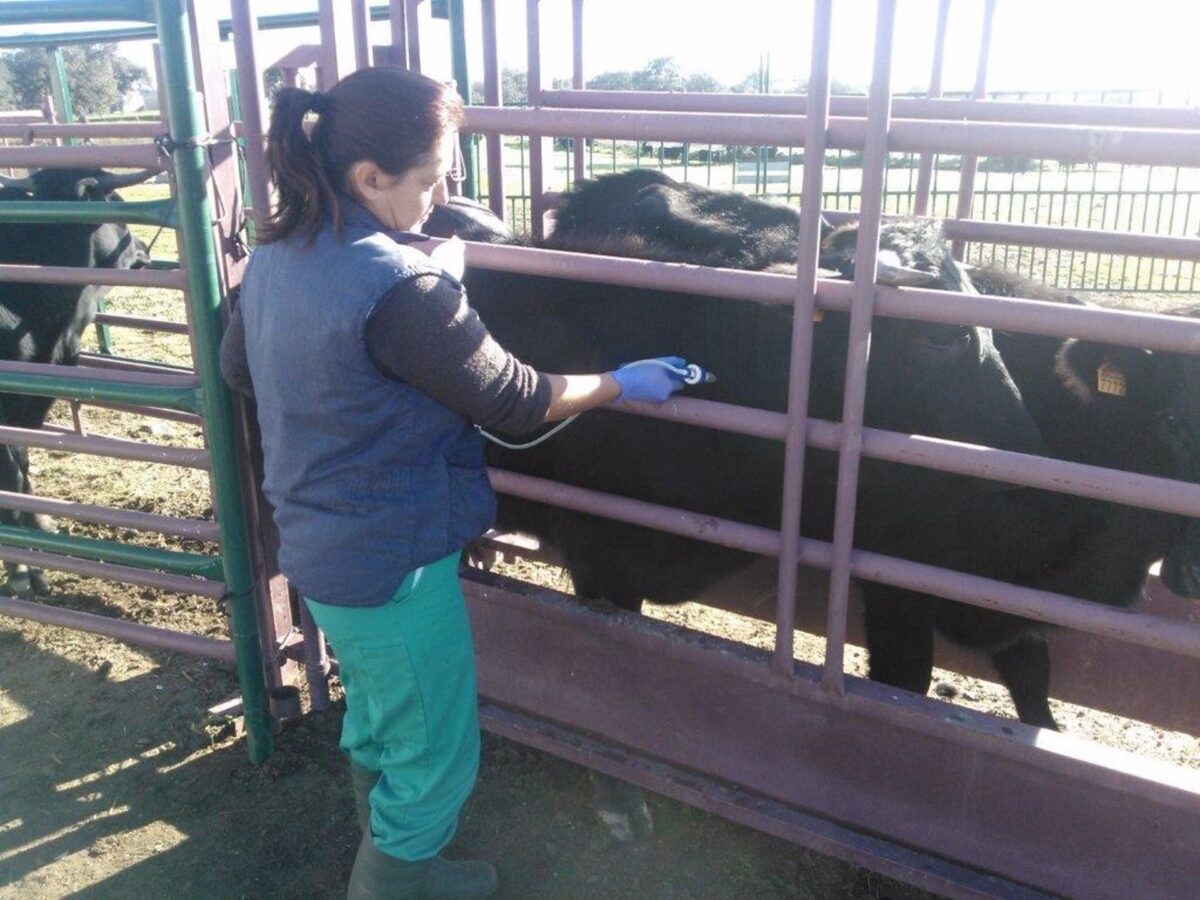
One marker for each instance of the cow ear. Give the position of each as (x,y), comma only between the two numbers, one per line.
(1092,370)
(89,189)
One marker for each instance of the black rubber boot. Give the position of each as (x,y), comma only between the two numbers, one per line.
(364,781)
(378,876)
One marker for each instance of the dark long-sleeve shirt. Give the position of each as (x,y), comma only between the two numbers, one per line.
(424,333)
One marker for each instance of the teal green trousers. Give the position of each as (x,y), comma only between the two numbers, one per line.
(408,668)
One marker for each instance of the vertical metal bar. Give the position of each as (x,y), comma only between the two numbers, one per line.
(398,23)
(966,184)
(60,87)
(462,77)
(412,13)
(360,23)
(577,82)
(807,254)
(859,348)
(491,96)
(196,238)
(250,89)
(537,145)
(925,169)
(337,43)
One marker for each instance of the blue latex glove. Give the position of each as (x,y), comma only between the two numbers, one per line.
(649,381)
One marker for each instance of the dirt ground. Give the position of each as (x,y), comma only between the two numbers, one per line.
(117,782)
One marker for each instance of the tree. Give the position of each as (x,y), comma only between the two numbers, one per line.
(702,83)
(8,97)
(97,76)
(514,88)
(662,74)
(611,81)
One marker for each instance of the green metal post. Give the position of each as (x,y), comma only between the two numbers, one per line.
(462,77)
(204,295)
(60,88)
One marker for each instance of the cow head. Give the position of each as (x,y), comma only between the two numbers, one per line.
(912,253)
(1147,407)
(469,221)
(111,246)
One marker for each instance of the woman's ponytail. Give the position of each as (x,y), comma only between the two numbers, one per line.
(298,167)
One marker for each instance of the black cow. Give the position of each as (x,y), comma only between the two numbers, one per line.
(644,213)
(1087,549)
(43,323)
(942,380)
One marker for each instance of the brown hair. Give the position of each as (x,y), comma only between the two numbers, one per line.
(392,117)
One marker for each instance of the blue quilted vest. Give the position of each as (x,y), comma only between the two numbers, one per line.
(370,477)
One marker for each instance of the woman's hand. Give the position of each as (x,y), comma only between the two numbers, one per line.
(650,380)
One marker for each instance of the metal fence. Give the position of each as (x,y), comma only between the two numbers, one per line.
(1155,200)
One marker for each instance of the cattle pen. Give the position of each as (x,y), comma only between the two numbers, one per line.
(957,802)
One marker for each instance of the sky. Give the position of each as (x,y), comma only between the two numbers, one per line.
(1037,45)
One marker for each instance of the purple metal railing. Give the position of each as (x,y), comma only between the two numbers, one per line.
(970,161)
(805,302)
(86,130)
(925,166)
(1117,145)
(537,143)
(1013,111)
(859,345)
(253,102)
(132,156)
(132,632)
(1147,330)
(491,96)
(170,279)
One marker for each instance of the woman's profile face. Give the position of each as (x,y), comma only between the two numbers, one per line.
(403,202)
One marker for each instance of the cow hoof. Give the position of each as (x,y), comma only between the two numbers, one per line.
(621,807)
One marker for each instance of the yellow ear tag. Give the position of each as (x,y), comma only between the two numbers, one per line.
(818,314)
(1110,380)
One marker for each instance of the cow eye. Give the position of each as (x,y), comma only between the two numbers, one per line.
(947,340)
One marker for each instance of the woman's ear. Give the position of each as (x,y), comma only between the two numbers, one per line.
(364,179)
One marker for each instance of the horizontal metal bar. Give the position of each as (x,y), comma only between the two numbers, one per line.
(46,12)
(169,279)
(190,529)
(1136,329)
(153,412)
(97,445)
(83,130)
(1078,479)
(91,156)
(1093,618)
(109,572)
(142,323)
(1124,243)
(1021,111)
(171,561)
(129,212)
(125,364)
(130,632)
(1057,609)
(1116,145)
(46,380)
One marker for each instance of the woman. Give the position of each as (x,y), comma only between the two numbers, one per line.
(369,368)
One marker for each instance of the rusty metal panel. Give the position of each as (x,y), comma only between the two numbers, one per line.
(913,771)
